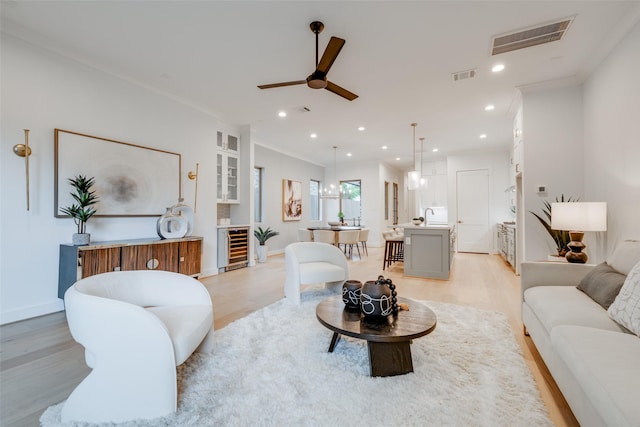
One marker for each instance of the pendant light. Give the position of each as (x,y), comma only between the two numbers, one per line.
(413,177)
(423,179)
(333,190)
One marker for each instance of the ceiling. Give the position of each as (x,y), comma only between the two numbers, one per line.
(398,57)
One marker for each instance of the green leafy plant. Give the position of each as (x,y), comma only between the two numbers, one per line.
(84,199)
(560,237)
(264,235)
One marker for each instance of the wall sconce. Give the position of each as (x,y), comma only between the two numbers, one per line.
(192,176)
(23,150)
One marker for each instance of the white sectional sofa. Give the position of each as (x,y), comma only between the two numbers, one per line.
(594,360)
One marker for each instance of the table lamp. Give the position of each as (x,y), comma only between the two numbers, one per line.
(578,217)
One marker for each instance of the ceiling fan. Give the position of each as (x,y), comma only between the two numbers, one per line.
(318,79)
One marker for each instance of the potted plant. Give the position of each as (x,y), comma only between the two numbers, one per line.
(560,237)
(341,217)
(82,209)
(263,236)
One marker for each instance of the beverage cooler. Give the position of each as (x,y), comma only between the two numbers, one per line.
(233,248)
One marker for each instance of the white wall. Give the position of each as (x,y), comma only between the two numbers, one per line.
(552,135)
(497,163)
(42,91)
(278,166)
(612,139)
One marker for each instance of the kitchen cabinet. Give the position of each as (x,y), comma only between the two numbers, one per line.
(507,243)
(177,255)
(227,142)
(227,177)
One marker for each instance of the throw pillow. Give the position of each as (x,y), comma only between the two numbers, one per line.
(626,307)
(602,284)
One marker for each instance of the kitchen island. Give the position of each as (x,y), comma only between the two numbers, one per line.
(428,250)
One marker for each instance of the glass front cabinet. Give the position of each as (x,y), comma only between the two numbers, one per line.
(227,164)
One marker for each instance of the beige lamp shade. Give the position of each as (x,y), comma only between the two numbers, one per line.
(579,216)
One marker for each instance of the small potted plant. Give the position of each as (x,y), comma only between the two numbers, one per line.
(263,236)
(560,237)
(82,209)
(341,217)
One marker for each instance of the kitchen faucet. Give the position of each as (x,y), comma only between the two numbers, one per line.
(426,220)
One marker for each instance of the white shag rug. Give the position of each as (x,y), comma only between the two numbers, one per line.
(272,368)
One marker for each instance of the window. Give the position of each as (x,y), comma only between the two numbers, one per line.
(314,200)
(395,203)
(350,201)
(258,175)
(386,200)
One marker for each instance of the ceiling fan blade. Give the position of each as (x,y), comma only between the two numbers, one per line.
(330,54)
(297,82)
(332,87)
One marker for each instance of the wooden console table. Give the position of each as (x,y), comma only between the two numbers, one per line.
(178,255)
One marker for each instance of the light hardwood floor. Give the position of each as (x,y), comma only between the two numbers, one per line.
(41,364)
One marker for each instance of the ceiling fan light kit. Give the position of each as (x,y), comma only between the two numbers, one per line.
(318,79)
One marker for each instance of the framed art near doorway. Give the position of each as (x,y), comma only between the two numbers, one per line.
(291,200)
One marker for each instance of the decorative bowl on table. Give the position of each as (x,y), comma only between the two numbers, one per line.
(334,223)
(416,221)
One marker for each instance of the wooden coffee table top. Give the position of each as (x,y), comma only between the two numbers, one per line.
(420,320)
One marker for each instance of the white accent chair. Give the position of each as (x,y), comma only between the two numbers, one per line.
(305,235)
(136,327)
(324,236)
(308,263)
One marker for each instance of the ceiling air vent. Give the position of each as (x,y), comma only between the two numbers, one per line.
(466,74)
(530,37)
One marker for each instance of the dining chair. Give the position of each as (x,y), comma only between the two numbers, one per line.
(324,236)
(305,235)
(363,236)
(348,238)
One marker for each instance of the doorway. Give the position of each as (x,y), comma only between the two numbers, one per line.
(472,193)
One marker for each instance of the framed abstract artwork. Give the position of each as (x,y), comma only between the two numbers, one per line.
(130,180)
(291,200)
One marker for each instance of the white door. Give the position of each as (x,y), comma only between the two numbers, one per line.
(473,211)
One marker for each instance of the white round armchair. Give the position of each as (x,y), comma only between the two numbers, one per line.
(136,327)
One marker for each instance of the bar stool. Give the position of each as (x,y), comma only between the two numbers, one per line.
(393,248)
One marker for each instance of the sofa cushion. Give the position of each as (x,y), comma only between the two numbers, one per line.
(602,284)
(605,364)
(625,256)
(187,326)
(626,308)
(319,272)
(566,305)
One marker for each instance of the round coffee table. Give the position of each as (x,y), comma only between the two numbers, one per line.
(388,341)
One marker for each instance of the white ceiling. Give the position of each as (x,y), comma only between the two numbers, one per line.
(398,58)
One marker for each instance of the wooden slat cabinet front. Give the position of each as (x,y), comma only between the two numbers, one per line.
(178,255)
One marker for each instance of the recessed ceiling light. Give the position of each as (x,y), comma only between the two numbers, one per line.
(397,158)
(361,128)
(348,154)
(282,114)
(483,136)
(435,150)
(489,107)
(384,147)
(314,135)
(497,68)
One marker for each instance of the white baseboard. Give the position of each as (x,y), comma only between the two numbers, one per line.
(31,311)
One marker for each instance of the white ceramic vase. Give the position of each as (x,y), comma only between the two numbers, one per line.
(261,251)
